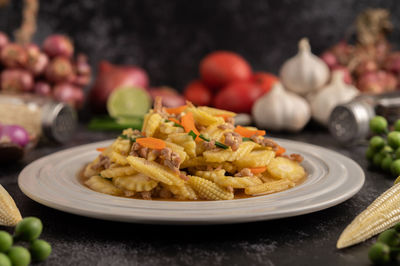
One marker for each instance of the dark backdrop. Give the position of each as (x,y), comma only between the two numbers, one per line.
(169,38)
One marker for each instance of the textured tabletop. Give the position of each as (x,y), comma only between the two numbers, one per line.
(304,240)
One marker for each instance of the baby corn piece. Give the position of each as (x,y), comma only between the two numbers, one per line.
(209,190)
(9,213)
(382,214)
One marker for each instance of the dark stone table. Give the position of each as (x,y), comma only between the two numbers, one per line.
(304,240)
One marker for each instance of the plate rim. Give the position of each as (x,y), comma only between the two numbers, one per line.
(250,217)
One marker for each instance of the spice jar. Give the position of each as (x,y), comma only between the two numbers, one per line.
(41,117)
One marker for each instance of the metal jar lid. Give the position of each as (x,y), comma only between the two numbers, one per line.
(59,121)
(350,122)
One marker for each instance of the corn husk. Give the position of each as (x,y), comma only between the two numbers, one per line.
(9,213)
(382,214)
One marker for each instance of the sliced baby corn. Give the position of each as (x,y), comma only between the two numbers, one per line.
(209,190)
(382,214)
(281,167)
(9,213)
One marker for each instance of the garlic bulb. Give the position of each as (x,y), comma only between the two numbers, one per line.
(281,110)
(336,92)
(304,72)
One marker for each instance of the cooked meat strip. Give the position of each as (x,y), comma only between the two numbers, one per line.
(209,145)
(104,162)
(226,126)
(230,120)
(244,172)
(233,140)
(294,157)
(165,193)
(146,195)
(171,159)
(158,107)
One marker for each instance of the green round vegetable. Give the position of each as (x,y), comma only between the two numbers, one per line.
(395,167)
(376,143)
(377,160)
(369,153)
(390,237)
(379,253)
(4,260)
(397,125)
(386,162)
(394,139)
(397,153)
(378,124)
(19,256)
(28,229)
(386,150)
(40,249)
(6,241)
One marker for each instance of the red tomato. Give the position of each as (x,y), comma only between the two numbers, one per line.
(198,93)
(238,96)
(220,68)
(265,80)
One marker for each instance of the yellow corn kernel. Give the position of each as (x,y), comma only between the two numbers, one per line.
(203,118)
(281,167)
(136,183)
(256,158)
(154,170)
(117,158)
(9,213)
(215,111)
(209,190)
(218,156)
(118,171)
(99,184)
(271,187)
(151,123)
(382,214)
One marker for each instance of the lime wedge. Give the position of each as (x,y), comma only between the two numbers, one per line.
(128,102)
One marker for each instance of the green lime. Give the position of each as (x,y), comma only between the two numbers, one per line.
(378,124)
(369,153)
(376,143)
(4,260)
(395,167)
(397,153)
(397,125)
(128,102)
(377,159)
(394,139)
(6,241)
(40,249)
(386,162)
(379,253)
(390,237)
(28,229)
(19,256)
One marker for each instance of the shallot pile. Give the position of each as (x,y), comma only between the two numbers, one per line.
(52,71)
(370,64)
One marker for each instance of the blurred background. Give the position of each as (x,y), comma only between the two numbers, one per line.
(169,38)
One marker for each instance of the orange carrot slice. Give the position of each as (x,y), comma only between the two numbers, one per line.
(174,120)
(281,150)
(101,149)
(247,133)
(258,170)
(176,110)
(187,121)
(152,143)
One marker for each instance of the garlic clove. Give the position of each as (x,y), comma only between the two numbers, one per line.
(281,110)
(305,72)
(336,92)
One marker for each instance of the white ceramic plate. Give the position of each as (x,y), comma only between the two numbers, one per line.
(52,181)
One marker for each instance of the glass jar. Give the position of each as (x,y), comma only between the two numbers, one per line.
(41,117)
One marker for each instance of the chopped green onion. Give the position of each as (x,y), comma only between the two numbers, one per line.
(221,145)
(203,138)
(175,124)
(247,139)
(122,136)
(217,143)
(191,133)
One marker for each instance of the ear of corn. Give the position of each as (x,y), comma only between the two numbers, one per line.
(9,213)
(282,168)
(382,214)
(209,190)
